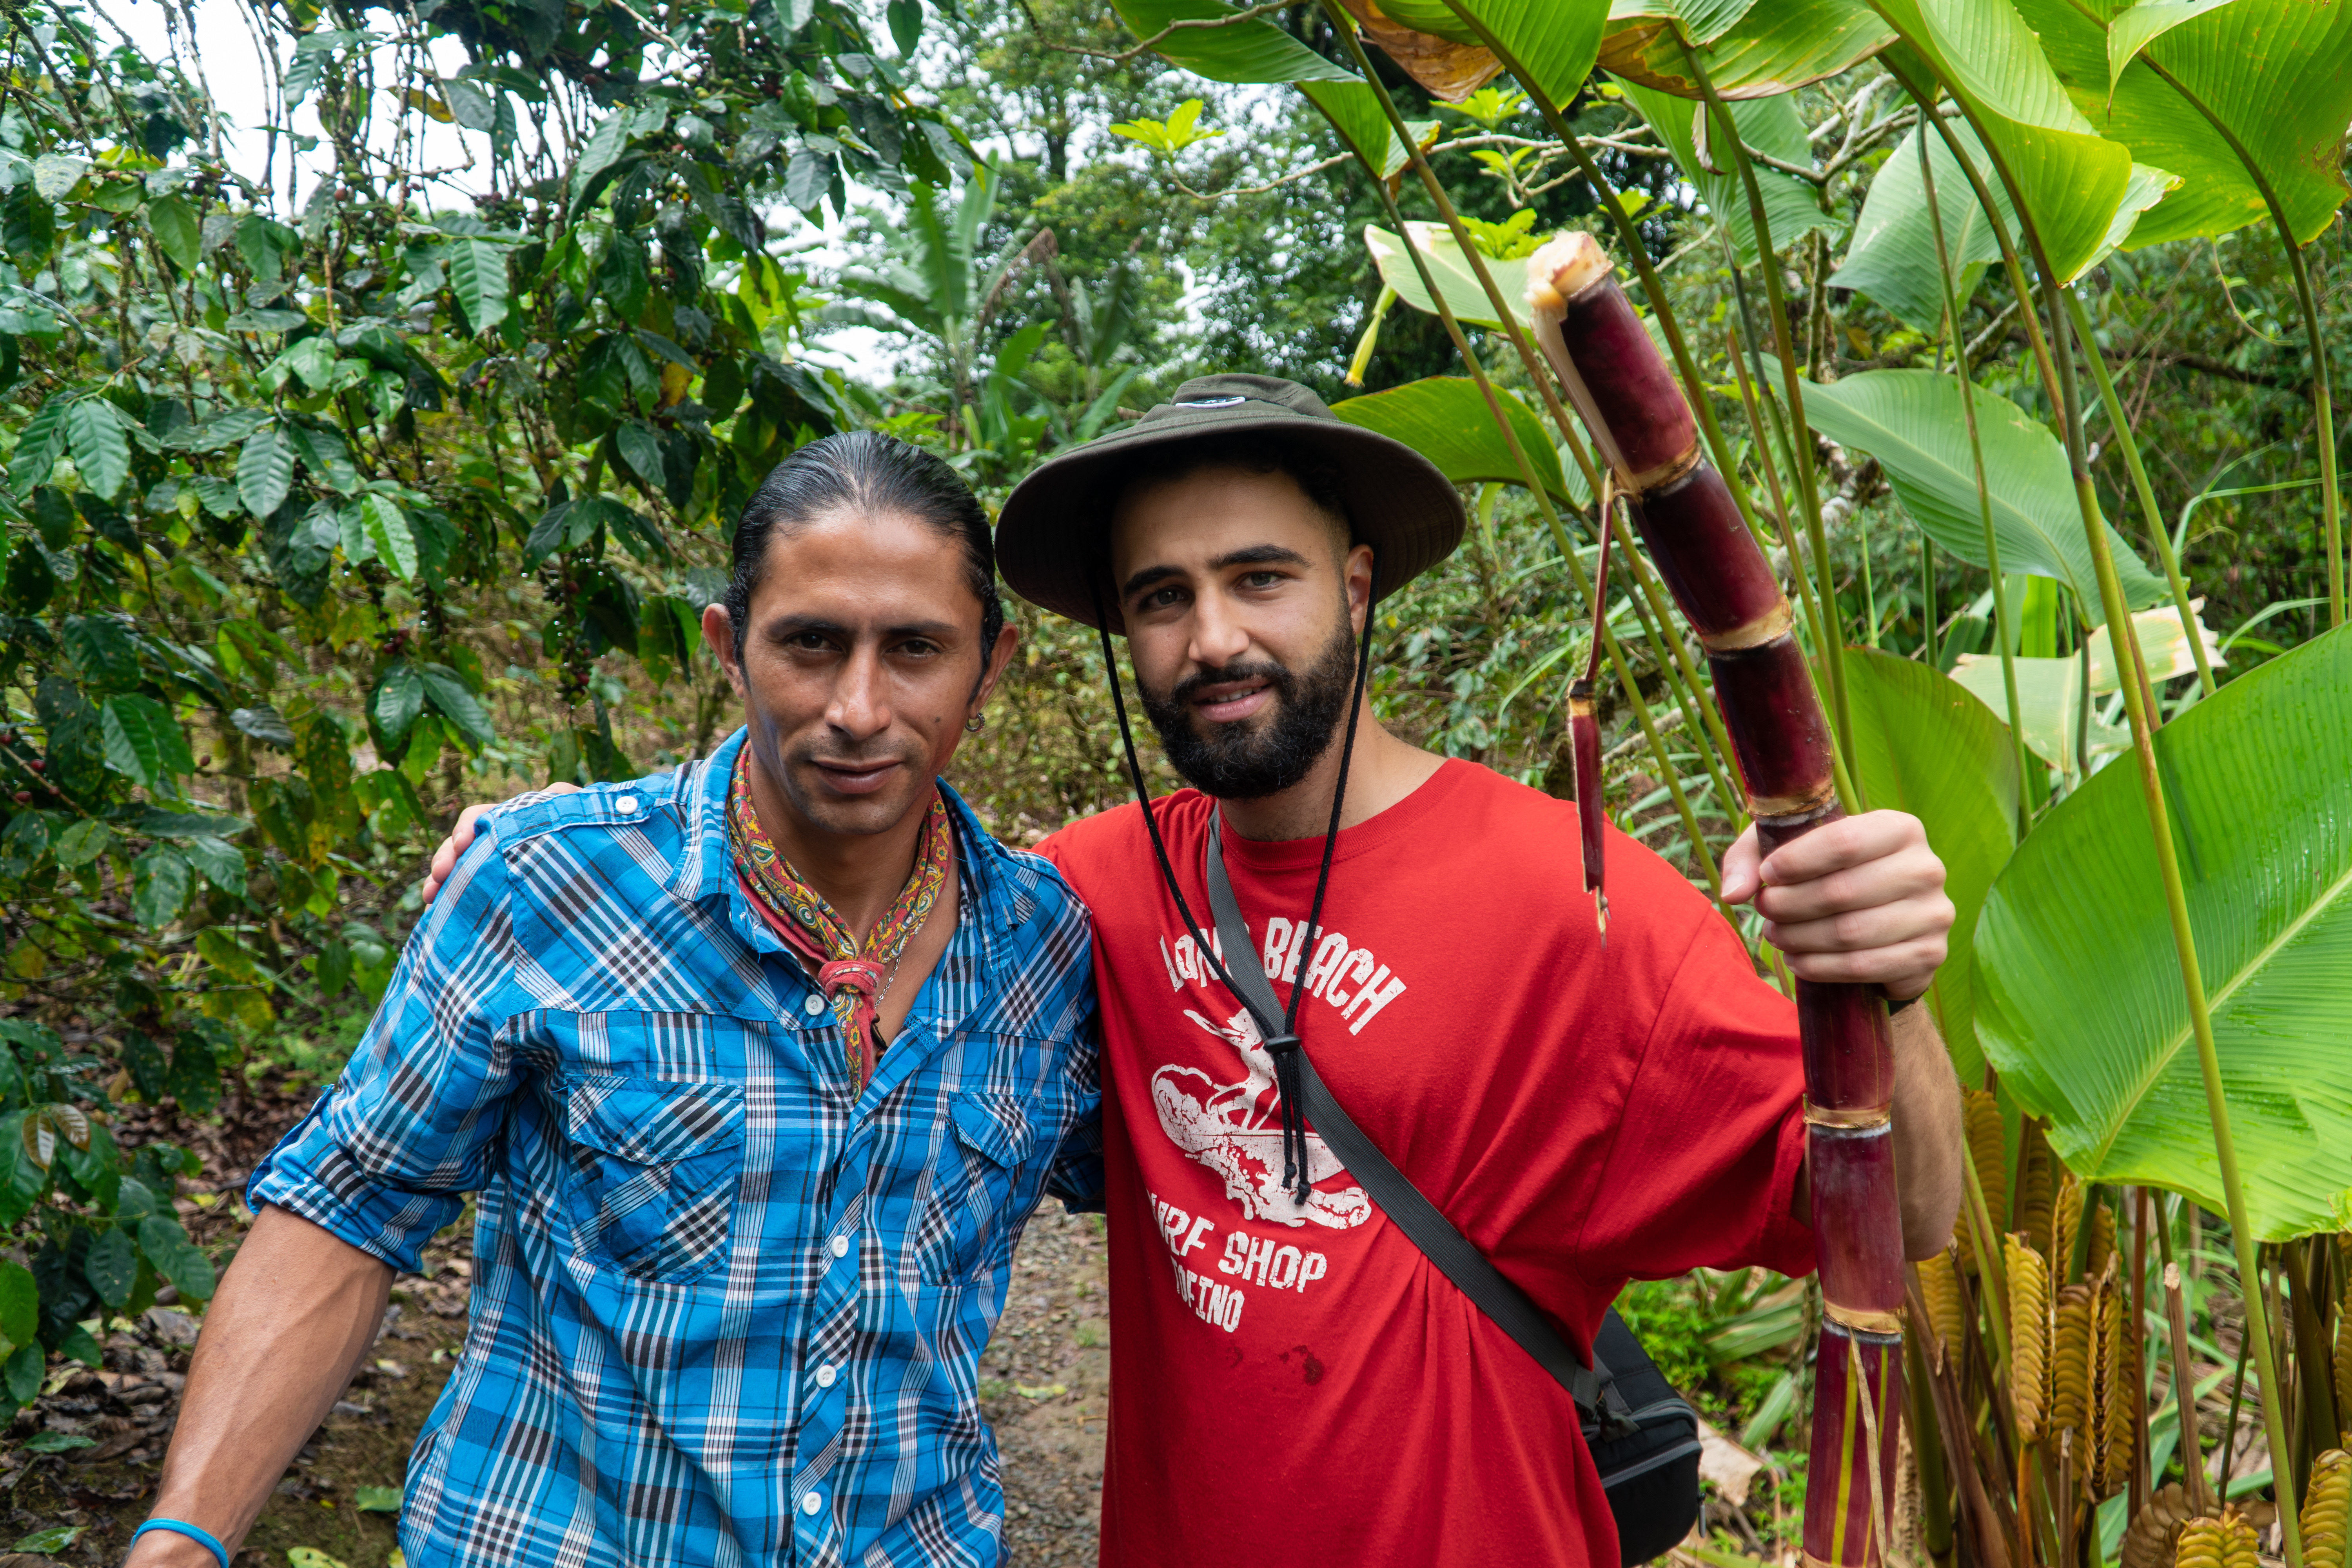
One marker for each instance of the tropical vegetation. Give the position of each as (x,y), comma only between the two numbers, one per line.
(339,492)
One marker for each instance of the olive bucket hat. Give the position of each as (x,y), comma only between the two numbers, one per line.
(1050,536)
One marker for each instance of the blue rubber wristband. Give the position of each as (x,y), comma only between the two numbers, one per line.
(193,1533)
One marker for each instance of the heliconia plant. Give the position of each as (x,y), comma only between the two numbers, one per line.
(2049,1409)
(1719,577)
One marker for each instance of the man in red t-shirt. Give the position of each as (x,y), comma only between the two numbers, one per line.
(1293,1381)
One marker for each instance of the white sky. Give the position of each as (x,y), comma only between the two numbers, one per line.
(232,64)
(242,83)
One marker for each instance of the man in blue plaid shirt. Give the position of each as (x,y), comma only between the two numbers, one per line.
(745,1217)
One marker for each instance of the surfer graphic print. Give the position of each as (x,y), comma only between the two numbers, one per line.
(1235,1129)
(1294,1382)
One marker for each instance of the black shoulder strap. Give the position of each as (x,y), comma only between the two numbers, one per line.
(1592,1387)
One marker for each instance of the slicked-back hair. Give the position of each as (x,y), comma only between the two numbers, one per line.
(873,474)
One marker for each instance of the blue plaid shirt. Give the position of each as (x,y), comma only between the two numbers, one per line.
(725,1309)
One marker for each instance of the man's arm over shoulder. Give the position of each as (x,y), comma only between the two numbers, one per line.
(1088,848)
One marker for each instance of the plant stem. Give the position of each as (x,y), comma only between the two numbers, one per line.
(1985,1237)
(1928,594)
(1800,454)
(2322,407)
(1927,1448)
(1984,492)
(1653,286)
(1585,586)
(1869,587)
(2176,898)
(2253,1309)
(2139,1478)
(2184,1384)
(1747,399)
(2322,404)
(2082,713)
(2317,1387)
(2150,515)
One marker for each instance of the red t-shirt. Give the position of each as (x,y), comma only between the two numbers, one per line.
(1295,1386)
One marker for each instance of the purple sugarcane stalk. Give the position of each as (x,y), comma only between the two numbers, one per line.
(1620,385)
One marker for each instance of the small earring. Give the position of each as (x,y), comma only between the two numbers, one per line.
(975,724)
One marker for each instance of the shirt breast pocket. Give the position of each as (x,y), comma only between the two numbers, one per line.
(654,1167)
(970,1213)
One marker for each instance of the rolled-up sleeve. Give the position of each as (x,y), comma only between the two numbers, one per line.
(383,1159)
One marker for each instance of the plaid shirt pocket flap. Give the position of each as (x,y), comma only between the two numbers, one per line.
(970,1204)
(656,1164)
(992,1126)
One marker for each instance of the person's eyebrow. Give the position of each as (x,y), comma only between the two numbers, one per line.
(1249,556)
(1260,555)
(1144,578)
(795,625)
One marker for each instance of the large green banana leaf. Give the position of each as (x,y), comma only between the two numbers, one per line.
(1700,21)
(1548,44)
(1912,421)
(2079,996)
(2276,73)
(1891,257)
(1428,16)
(2070,180)
(1443,418)
(1354,110)
(1250,51)
(1761,51)
(1768,125)
(1923,744)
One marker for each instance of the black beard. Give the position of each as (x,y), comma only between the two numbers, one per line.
(1250,760)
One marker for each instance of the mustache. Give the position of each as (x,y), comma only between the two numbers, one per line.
(1278,677)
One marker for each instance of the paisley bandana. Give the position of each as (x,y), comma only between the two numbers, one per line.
(853,977)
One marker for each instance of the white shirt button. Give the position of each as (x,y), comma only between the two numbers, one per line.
(841,1247)
(626,805)
(813,1006)
(825,1375)
(812,1502)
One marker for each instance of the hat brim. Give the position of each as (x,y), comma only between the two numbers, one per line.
(1051,535)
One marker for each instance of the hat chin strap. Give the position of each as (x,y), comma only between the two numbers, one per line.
(1295,1171)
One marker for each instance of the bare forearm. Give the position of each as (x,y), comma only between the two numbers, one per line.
(1926,1133)
(295,1313)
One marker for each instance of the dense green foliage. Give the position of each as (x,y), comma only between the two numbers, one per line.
(331,505)
(314,514)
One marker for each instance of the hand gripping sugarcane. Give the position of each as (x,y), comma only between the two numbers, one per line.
(1619,382)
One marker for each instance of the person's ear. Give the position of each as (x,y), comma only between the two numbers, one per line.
(1359,584)
(718,635)
(1008,637)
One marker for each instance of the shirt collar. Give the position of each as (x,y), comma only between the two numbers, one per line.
(1007,886)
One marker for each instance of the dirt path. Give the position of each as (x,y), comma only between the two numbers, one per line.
(1045,1389)
(1045,1374)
